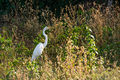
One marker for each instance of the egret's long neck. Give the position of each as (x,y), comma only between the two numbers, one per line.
(46,39)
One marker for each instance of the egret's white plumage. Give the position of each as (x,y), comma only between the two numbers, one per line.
(39,48)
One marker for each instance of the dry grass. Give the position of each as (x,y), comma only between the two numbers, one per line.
(61,60)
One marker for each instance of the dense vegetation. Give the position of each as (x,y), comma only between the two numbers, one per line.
(84,40)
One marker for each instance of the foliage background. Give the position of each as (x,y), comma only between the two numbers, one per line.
(84,39)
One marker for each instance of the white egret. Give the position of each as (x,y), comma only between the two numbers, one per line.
(39,48)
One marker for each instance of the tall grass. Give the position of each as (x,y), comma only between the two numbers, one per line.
(83,44)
